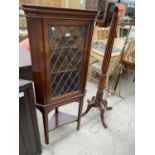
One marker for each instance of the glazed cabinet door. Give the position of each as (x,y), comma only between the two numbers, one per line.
(65,46)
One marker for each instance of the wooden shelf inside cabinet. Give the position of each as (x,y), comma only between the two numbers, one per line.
(64,47)
(62,69)
(60,41)
(60,119)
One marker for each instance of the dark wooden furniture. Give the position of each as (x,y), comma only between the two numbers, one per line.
(25,65)
(60,41)
(29,139)
(105,8)
(129,63)
(25,72)
(98,101)
(126,62)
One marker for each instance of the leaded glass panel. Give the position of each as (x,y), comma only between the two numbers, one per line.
(66,45)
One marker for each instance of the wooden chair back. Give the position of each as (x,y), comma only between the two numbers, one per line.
(130,49)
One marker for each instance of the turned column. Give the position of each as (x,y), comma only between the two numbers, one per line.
(97,101)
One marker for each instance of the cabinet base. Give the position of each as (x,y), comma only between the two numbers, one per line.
(59,119)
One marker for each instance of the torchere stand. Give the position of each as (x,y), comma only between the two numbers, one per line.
(98,101)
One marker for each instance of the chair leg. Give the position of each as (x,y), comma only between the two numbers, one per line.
(80,113)
(45,122)
(90,73)
(107,82)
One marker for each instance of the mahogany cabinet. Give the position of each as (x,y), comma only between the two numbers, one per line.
(60,41)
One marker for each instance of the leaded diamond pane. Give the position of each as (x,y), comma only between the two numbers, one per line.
(66,45)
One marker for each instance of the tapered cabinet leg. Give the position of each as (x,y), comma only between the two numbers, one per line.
(45,122)
(80,113)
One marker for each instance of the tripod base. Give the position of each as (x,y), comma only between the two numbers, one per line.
(102,105)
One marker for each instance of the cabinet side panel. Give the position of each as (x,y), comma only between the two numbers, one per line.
(35,32)
(86,56)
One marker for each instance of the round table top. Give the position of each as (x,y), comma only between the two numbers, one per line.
(98,46)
